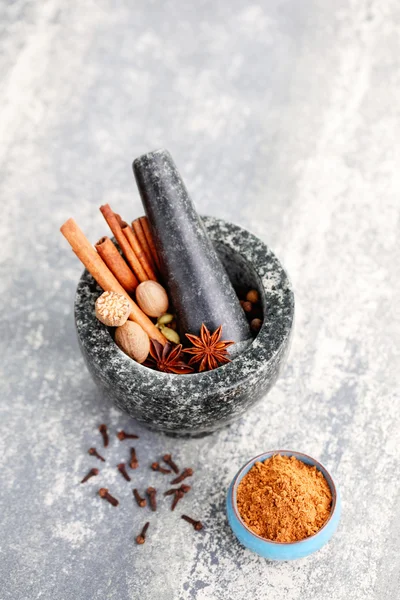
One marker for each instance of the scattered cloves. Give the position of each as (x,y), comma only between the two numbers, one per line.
(93,452)
(178,496)
(92,473)
(185,473)
(167,458)
(156,467)
(197,525)
(141,538)
(121,435)
(103,493)
(184,488)
(122,469)
(103,431)
(140,501)
(134,461)
(151,492)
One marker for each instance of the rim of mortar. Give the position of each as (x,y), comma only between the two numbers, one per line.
(273,282)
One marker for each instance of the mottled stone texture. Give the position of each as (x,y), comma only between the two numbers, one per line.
(202,402)
(198,284)
(284,117)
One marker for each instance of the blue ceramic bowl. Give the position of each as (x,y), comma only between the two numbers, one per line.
(282,550)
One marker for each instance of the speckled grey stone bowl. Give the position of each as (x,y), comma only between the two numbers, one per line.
(198,404)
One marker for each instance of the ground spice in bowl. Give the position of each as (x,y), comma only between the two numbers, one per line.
(284,499)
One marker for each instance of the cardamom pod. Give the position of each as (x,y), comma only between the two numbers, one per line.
(170,334)
(164,319)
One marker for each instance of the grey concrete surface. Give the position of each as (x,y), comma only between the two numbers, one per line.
(283,117)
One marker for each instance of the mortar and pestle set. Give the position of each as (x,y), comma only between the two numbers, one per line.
(202,260)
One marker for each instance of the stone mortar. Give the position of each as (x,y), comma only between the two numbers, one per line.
(198,404)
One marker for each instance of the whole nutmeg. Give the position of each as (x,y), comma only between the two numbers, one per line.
(253,296)
(152,298)
(112,309)
(133,340)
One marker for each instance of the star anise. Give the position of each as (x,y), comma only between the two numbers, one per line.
(167,359)
(208,349)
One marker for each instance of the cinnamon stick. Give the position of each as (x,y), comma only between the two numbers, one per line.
(149,237)
(136,247)
(115,225)
(118,267)
(102,274)
(138,229)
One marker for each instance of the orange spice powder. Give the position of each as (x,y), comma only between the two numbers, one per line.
(283,499)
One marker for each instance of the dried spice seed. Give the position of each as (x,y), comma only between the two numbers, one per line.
(167,458)
(92,473)
(156,467)
(132,339)
(103,493)
(104,433)
(177,496)
(141,538)
(165,319)
(122,469)
(183,488)
(197,525)
(256,325)
(167,359)
(253,296)
(208,349)
(93,452)
(151,492)
(134,463)
(122,435)
(142,502)
(185,473)
(152,298)
(112,309)
(170,334)
(247,307)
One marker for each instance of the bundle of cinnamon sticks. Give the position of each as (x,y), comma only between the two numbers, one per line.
(111,271)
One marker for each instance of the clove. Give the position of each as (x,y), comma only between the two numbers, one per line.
(121,435)
(141,538)
(196,524)
(134,461)
(92,473)
(151,492)
(184,488)
(140,501)
(178,496)
(93,452)
(185,473)
(167,458)
(122,469)
(103,493)
(103,431)
(156,467)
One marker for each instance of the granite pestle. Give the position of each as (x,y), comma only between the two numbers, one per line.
(199,287)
